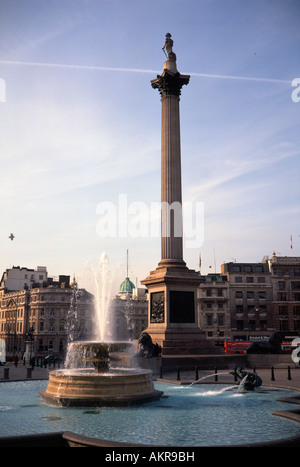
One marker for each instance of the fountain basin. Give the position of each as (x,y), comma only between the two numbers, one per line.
(87,388)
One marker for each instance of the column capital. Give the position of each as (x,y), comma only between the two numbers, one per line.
(170,84)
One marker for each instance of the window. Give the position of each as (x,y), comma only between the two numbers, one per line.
(262,295)
(261,280)
(248,269)
(281,296)
(220,293)
(296,310)
(258,269)
(278,271)
(297,325)
(208,292)
(221,320)
(282,310)
(281,285)
(295,272)
(236,268)
(250,294)
(283,325)
(209,320)
(239,309)
(238,279)
(249,280)
(263,325)
(238,294)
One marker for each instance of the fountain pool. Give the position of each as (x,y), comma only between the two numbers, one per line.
(197,415)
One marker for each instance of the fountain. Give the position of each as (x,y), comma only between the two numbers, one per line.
(109,381)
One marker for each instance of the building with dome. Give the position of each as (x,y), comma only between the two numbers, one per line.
(126,289)
(129,311)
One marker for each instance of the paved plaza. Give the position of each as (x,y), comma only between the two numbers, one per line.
(279,377)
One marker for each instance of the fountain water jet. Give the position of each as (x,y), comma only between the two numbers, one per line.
(100,385)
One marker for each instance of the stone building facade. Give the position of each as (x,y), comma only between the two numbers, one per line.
(250,300)
(285,275)
(214,312)
(38,313)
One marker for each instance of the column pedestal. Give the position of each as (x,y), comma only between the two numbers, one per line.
(173,311)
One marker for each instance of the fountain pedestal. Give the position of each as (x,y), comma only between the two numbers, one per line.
(101,386)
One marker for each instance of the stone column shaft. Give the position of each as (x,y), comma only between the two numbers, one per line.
(171,192)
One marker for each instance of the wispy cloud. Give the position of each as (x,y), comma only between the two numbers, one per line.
(233,166)
(139,70)
(241,78)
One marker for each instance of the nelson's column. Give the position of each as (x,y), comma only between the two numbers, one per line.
(172,286)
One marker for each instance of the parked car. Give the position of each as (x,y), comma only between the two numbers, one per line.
(52,359)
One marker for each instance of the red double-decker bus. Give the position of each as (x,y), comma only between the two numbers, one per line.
(240,347)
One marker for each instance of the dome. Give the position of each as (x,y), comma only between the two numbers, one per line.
(127,286)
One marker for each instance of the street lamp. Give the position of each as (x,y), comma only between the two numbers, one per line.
(30,338)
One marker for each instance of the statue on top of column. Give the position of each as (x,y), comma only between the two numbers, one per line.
(167,48)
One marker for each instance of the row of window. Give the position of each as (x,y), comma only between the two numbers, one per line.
(284,325)
(251,325)
(247,268)
(9,327)
(295,285)
(250,294)
(283,310)
(251,309)
(219,305)
(17,327)
(220,320)
(290,272)
(209,293)
(249,279)
(8,313)
(283,297)
(50,297)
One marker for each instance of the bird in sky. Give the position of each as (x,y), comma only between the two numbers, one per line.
(11,236)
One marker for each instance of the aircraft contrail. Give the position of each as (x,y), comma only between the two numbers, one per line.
(139,70)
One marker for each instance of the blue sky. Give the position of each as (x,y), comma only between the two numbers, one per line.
(80,125)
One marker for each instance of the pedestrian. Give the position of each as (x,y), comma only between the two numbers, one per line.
(16,360)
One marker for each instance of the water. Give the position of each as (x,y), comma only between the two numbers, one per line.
(198,415)
(103,290)
(102,281)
